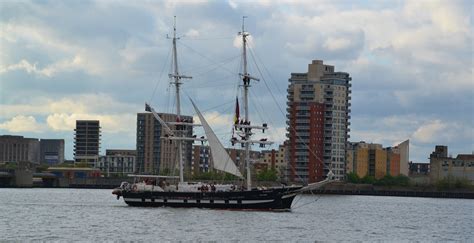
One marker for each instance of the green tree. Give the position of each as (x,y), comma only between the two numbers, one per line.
(267,175)
(68,165)
(353,178)
(82,165)
(402,180)
(387,180)
(367,180)
(41,168)
(452,183)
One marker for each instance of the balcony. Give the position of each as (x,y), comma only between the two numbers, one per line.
(311,96)
(302,108)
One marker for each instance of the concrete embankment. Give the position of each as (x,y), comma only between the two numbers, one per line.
(371,190)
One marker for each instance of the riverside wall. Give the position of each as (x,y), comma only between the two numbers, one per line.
(340,188)
(335,188)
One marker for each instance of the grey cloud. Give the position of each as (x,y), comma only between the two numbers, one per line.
(388,80)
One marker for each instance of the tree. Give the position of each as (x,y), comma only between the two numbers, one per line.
(402,180)
(82,165)
(41,168)
(368,180)
(387,180)
(267,175)
(68,165)
(353,178)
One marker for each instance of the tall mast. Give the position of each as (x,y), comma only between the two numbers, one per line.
(177,83)
(246,80)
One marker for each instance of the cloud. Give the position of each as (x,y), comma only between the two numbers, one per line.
(427,132)
(193,33)
(220,123)
(238,41)
(109,123)
(50,70)
(411,62)
(232,4)
(334,44)
(443,15)
(83,103)
(21,124)
(61,114)
(437,130)
(22,65)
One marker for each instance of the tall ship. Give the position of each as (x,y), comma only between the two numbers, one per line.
(156,190)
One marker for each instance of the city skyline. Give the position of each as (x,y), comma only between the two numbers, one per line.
(410,63)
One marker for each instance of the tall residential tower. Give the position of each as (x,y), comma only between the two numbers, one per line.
(87,142)
(318,122)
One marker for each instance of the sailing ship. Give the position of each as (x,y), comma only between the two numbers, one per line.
(155,191)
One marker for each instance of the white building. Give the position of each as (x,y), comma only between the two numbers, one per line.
(119,162)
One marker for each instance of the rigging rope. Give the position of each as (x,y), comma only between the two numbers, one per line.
(299,206)
(202,55)
(211,38)
(161,74)
(283,114)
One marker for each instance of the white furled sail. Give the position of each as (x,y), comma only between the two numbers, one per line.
(220,157)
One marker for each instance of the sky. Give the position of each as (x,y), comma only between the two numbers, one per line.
(411,64)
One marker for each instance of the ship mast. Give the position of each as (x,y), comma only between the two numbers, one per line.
(245,125)
(246,81)
(246,84)
(177,77)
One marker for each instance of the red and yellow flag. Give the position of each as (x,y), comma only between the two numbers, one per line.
(237,111)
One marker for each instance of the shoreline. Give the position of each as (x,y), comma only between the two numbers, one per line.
(340,189)
(399,193)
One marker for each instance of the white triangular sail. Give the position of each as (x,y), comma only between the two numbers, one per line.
(220,157)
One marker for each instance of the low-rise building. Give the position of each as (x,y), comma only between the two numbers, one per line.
(443,166)
(118,162)
(52,151)
(74,173)
(259,168)
(276,159)
(202,158)
(369,159)
(19,149)
(419,168)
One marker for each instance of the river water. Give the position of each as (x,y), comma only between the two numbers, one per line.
(95,215)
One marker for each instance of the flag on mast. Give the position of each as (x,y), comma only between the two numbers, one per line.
(237,111)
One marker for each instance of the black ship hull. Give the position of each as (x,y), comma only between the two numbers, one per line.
(274,199)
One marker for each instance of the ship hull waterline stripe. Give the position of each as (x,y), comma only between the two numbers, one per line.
(201,201)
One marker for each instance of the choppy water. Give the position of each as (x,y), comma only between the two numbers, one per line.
(95,215)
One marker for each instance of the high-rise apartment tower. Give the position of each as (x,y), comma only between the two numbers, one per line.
(87,142)
(318,122)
